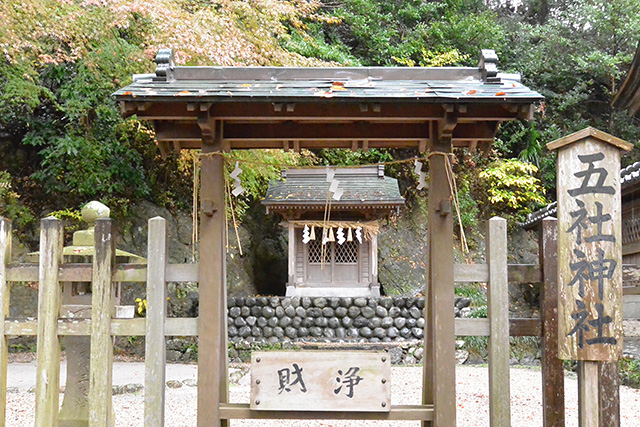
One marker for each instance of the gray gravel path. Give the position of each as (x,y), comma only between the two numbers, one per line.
(472,386)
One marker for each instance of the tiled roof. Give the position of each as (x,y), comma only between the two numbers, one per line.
(481,84)
(629,177)
(365,187)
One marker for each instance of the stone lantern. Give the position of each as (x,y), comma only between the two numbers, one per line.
(76,304)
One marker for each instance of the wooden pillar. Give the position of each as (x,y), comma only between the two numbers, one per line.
(498,313)
(48,347)
(552,371)
(212,324)
(609,394)
(102,307)
(5,258)
(292,258)
(373,262)
(588,405)
(155,348)
(439,386)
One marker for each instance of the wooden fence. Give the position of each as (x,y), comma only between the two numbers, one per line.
(104,272)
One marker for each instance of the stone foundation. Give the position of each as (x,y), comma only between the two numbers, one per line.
(273,319)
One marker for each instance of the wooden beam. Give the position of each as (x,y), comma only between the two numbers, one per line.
(84,272)
(48,350)
(212,325)
(397,412)
(498,313)
(285,131)
(177,326)
(101,369)
(609,394)
(552,371)
(302,131)
(439,386)
(321,111)
(5,296)
(155,348)
(588,394)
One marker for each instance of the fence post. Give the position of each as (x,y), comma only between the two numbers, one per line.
(498,313)
(609,394)
(155,349)
(100,374)
(48,347)
(552,372)
(5,258)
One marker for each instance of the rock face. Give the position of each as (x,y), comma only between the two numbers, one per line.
(240,278)
(402,249)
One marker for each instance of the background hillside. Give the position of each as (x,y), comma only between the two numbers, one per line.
(63,141)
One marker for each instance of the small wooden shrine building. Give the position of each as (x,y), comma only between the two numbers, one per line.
(333,241)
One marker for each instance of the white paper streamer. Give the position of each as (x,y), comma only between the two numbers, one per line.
(422,183)
(359,234)
(325,236)
(340,236)
(333,184)
(330,174)
(306,236)
(237,185)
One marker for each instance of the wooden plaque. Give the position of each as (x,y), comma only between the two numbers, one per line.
(589,250)
(321,381)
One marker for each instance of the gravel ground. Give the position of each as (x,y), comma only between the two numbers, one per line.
(473,402)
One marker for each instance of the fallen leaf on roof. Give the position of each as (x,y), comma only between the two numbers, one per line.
(501,93)
(127,93)
(471,92)
(184,92)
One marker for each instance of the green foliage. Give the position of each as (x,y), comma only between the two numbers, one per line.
(476,292)
(630,372)
(469,211)
(71,218)
(409,32)
(10,206)
(62,61)
(575,54)
(258,168)
(338,157)
(511,189)
(479,312)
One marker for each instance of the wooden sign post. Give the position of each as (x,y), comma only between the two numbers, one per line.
(589,258)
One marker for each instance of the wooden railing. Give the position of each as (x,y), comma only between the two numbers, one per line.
(104,273)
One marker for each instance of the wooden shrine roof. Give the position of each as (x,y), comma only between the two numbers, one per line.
(282,107)
(364,187)
(628,97)
(629,183)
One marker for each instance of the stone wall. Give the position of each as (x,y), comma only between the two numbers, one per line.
(273,319)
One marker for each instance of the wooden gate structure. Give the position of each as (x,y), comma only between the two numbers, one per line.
(434,109)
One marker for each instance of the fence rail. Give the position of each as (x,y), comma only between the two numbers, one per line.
(103,273)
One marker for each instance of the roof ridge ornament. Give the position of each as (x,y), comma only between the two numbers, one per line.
(166,65)
(488,66)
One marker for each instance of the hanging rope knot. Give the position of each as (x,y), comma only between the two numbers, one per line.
(453,192)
